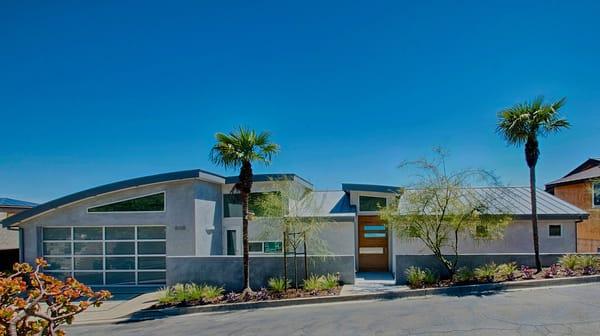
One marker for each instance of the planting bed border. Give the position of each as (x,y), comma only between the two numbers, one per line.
(151,314)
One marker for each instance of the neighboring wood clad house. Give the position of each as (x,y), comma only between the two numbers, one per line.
(9,239)
(581,187)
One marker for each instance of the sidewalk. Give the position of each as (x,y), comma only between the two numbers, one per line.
(371,283)
(121,305)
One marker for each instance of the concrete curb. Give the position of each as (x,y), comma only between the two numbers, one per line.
(481,289)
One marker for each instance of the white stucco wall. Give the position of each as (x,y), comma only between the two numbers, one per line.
(517,239)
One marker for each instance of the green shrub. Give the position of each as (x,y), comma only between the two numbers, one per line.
(506,271)
(330,281)
(211,293)
(165,296)
(415,277)
(463,274)
(278,285)
(313,283)
(431,278)
(189,292)
(570,261)
(589,263)
(486,272)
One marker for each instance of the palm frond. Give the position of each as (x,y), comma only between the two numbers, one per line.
(242,145)
(523,121)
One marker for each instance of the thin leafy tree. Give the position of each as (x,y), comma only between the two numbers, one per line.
(290,212)
(441,209)
(240,149)
(523,124)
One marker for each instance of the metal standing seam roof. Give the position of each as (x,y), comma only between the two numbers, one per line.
(516,201)
(103,189)
(13,203)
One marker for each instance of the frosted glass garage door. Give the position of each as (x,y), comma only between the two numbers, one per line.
(108,255)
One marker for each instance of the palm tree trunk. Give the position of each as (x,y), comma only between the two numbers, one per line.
(245,187)
(532,153)
(246,259)
(534,219)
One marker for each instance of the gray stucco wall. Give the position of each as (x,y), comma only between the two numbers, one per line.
(226,271)
(337,237)
(517,239)
(470,260)
(184,201)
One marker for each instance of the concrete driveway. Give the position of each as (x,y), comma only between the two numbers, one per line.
(568,310)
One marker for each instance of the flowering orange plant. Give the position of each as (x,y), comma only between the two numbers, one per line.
(34,303)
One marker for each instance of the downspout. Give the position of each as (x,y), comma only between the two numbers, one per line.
(21,245)
(576,235)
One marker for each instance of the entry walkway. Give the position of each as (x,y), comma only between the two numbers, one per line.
(372,282)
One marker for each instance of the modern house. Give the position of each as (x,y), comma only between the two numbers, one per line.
(186,226)
(9,240)
(581,187)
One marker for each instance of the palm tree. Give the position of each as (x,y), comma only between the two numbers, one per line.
(523,124)
(239,149)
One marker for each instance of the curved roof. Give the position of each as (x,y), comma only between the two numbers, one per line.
(103,189)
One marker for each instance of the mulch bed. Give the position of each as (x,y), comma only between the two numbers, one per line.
(554,272)
(261,295)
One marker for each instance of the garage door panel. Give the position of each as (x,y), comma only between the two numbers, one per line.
(120,255)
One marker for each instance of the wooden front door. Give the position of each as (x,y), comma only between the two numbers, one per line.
(372,245)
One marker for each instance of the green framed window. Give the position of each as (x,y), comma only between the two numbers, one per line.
(231,242)
(273,247)
(371,203)
(149,203)
(255,247)
(596,196)
(266,247)
(232,204)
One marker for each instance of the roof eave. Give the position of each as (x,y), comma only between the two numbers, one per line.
(581,216)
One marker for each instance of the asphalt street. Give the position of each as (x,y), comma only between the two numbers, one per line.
(568,310)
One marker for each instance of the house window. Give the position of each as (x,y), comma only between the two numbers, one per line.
(255,247)
(232,204)
(272,247)
(370,203)
(149,203)
(231,240)
(596,196)
(266,247)
(481,231)
(555,230)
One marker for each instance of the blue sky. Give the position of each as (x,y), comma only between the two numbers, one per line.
(94,92)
